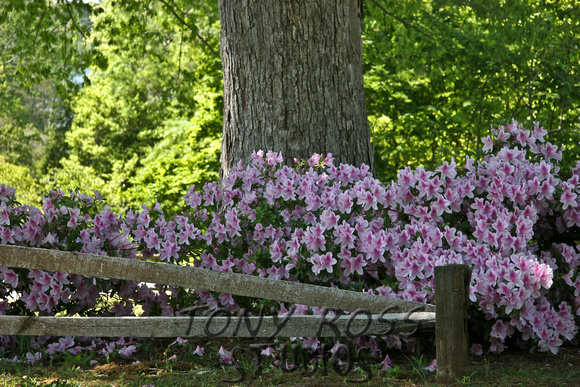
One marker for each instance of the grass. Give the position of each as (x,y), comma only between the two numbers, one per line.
(513,368)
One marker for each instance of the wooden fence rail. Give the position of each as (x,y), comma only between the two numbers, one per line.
(447,317)
(195,278)
(218,326)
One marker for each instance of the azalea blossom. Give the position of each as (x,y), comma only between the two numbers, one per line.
(226,356)
(334,225)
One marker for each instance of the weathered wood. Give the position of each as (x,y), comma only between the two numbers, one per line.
(195,278)
(452,341)
(218,326)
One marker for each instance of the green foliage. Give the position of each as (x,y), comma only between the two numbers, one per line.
(187,155)
(437,73)
(80,359)
(41,52)
(125,96)
(42,40)
(131,75)
(18,177)
(54,383)
(148,124)
(72,176)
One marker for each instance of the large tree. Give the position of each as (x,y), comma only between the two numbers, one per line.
(293,80)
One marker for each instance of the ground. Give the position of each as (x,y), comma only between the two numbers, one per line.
(155,367)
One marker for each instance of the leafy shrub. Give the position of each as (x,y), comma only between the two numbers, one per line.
(513,217)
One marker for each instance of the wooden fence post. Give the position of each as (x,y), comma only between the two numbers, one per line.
(452,341)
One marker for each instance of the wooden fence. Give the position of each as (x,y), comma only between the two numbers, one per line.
(447,317)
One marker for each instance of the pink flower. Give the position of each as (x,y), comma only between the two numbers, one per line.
(232,223)
(9,276)
(227,299)
(192,198)
(568,199)
(30,301)
(476,349)
(276,251)
(314,159)
(387,364)
(45,280)
(572,217)
(6,191)
(156,208)
(544,274)
(328,219)
(127,351)
(7,235)
(546,190)
(227,265)
(499,330)
(551,151)
(488,144)
(179,341)
(352,265)
(33,358)
(496,346)
(367,199)
(326,262)
(448,170)
(432,367)
(199,351)
(225,355)
(66,342)
(257,158)
(344,235)
(74,217)
(4,216)
(152,240)
(524,228)
(273,158)
(314,238)
(169,250)
(441,205)
(551,344)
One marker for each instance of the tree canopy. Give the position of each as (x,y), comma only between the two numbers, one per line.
(126,96)
(439,72)
(148,122)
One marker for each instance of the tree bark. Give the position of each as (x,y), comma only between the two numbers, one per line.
(293,80)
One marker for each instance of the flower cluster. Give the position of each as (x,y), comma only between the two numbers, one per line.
(70,222)
(513,217)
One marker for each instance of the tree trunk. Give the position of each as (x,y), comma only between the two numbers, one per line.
(293,80)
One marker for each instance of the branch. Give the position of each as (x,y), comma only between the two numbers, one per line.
(563,131)
(408,25)
(73,19)
(10,60)
(172,10)
(38,24)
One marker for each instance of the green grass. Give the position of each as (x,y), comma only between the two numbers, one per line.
(509,369)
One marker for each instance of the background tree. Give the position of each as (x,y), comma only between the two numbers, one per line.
(145,125)
(438,73)
(41,53)
(19,177)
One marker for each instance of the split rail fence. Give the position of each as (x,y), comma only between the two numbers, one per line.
(448,317)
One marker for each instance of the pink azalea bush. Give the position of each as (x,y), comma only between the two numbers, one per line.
(71,222)
(513,218)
